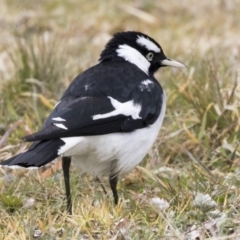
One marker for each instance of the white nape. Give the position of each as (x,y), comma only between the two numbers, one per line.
(127,109)
(145,42)
(60,125)
(133,56)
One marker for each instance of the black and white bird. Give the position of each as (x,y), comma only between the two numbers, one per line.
(108,118)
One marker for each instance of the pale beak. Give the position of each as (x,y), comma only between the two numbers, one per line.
(172,63)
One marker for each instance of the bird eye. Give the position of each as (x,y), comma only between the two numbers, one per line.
(150,56)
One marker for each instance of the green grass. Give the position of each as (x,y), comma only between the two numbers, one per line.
(45,44)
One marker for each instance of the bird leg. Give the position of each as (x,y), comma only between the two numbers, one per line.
(103,188)
(66,162)
(113,179)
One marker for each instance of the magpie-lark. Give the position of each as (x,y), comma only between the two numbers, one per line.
(108,118)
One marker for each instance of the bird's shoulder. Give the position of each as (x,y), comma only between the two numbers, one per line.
(106,78)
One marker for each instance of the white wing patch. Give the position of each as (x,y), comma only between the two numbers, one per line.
(127,109)
(58,119)
(145,42)
(18,167)
(133,56)
(60,125)
(147,82)
(146,85)
(56,104)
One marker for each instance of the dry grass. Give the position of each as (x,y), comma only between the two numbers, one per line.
(194,165)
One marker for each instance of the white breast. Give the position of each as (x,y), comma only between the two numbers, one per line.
(94,154)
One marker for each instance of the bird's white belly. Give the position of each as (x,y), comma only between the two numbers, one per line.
(94,154)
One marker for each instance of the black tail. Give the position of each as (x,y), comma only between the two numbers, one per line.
(39,154)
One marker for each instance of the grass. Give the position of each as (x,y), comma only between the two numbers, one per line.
(188,186)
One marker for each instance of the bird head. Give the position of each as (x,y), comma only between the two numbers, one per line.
(139,49)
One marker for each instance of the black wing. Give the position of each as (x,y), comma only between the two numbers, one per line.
(74,115)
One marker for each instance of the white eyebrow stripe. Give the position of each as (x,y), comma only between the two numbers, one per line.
(145,42)
(133,56)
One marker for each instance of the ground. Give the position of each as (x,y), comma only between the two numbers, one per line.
(188,186)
